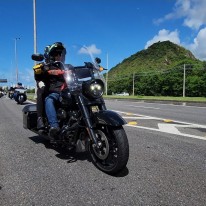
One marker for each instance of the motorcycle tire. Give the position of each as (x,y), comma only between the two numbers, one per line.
(21,99)
(113,154)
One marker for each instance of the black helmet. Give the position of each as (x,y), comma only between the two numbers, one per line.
(46,52)
(55,49)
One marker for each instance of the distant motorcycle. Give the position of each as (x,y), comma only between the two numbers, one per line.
(85,123)
(19,95)
(1,94)
(11,93)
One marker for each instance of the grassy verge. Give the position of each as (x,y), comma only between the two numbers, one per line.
(30,96)
(160,98)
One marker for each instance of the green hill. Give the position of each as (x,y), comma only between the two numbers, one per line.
(159,71)
(159,56)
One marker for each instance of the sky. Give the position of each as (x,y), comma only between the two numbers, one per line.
(112,29)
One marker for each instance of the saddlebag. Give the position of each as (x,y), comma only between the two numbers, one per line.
(30,116)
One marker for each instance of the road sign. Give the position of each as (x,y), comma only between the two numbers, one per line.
(3,80)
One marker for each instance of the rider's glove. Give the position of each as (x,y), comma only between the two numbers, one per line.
(38,68)
(41,84)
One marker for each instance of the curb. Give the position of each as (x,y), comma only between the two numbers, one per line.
(186,103)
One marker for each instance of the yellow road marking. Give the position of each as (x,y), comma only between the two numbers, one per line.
(129,114)
(167,120)
(132,123)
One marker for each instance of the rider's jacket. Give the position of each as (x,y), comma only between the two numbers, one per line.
(52,76)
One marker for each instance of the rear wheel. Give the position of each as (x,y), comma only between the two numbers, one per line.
(112,153)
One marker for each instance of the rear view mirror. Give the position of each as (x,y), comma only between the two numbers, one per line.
(97,60)
(37,57)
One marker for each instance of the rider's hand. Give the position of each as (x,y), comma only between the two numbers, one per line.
(38,68)
(41,84)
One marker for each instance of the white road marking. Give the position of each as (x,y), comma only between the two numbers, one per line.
(164,127)
(182,104)
(169,128)
(158,130)
(143,107)
(31,102)
(126,117)
(161,119)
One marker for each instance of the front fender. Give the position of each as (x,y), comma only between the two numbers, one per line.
(108,117)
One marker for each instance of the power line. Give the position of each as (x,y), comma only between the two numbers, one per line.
(150,73)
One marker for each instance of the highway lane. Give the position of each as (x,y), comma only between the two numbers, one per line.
(163,169)
(167,118)
(189,114)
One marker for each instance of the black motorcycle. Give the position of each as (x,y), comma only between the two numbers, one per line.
(19,95)
(1,94)
(11,93)
(85,122)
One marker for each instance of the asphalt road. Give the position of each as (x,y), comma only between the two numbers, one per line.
(163,168)
(191,114)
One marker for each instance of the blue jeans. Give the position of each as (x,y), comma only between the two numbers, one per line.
(50,102)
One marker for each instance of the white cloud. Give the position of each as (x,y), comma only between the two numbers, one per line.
(91,49)
(192,11)
(198,47)
(27,77)
(164,35)
(193,15)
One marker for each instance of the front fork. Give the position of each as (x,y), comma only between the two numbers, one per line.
(87,120)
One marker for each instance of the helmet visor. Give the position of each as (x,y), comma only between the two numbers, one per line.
(59,55)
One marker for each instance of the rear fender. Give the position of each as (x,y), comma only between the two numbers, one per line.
(108,117)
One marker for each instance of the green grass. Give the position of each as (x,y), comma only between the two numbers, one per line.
(30,96)
(160,98)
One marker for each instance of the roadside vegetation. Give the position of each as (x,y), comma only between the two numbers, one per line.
(159,70)
(156,98)
(159,98)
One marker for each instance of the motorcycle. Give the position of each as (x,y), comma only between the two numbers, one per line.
(11,93)
(1,94)
(85,123)
(19,95)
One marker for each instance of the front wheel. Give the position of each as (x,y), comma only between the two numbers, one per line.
(21,99)
(112,153)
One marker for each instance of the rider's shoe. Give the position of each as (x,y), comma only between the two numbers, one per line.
(53,133)
(40,123)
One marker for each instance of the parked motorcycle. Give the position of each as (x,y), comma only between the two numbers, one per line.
(85,122)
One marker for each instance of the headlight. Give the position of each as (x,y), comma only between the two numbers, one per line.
(94,89)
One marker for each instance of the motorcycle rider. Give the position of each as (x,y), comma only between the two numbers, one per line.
(53,79)
(39,75)
(16,91)
(56,84)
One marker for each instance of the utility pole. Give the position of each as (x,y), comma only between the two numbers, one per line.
(184,82)
(34,12)
(35,41)
(133,83)
(17,75)
(107,75)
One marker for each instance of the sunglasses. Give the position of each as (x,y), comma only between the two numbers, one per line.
(59,53)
